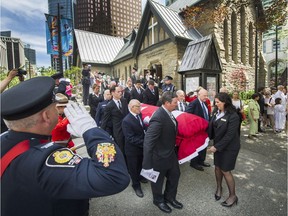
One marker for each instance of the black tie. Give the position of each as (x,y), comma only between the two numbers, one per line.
(205,112)
(181,107)
(119,105)
(138,117)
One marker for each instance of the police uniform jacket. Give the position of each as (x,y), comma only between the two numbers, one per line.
(51,180)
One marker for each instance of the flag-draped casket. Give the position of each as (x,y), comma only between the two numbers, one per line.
(192,134)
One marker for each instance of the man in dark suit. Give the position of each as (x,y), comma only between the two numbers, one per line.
(160,155)
(101,106)
(114,113)
(127,91)
(181,104)
(133,75)
(94,99)
(137,92)
(151,94)
(134,132)
(261,103)
(199,107)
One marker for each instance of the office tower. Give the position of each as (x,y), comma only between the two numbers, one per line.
(110,17)
(13,49)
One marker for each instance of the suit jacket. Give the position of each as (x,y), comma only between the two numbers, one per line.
(225,132)
(184,104)
(112,114)
(100,112)
(134,134)
(127,94)
(133,78)
(159,142)
(136,95)
(149,98)
(93,102)
(195,108)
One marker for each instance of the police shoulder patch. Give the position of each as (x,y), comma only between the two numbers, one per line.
(105,153)
(63,157)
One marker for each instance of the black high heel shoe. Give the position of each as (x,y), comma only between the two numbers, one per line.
(225,204)
(216,196)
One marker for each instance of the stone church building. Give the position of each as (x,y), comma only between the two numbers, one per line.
(163,45)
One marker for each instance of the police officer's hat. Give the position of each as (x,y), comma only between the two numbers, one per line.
(168,78)
(27,98)
(57,76)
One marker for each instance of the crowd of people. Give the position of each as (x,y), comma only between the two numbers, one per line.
(267,109)
(118,141)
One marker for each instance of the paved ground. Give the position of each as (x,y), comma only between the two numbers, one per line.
(261,185)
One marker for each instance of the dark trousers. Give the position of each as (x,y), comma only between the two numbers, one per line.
(134,164)
(259,126)
(169,169)
(85,94)
(200,158)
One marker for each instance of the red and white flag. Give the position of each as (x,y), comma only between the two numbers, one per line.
(191,137)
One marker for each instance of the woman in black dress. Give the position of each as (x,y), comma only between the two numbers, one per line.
(223,130)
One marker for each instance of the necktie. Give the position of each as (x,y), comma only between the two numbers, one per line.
(173,119)
(205,112)
(138,117)
(153,92)
(181,106)
(138,90)
(119,105)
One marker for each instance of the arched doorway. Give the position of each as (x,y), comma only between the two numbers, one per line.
(155,70)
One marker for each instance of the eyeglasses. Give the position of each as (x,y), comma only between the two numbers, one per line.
(136,106)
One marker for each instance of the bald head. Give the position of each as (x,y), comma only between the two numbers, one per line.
(135,106)
(203,94)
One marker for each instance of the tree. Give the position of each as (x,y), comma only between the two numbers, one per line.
(46,71)
(205,12)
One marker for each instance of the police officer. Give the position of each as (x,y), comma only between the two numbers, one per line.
(39,177)
(168,86)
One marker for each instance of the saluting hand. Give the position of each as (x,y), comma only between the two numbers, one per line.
(80,120)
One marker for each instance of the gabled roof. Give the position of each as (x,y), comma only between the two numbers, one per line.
(128,46)
(200,54)
(178,5)
(97,48)
(173,22)
(169,20)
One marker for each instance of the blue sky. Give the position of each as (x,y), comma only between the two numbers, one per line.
(26,20)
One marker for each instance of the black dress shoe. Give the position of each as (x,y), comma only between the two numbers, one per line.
(175,204)
(143,180)
(163,207)
(139,192)
(204,164)
(197,167)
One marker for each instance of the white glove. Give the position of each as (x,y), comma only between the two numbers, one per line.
(79,119)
